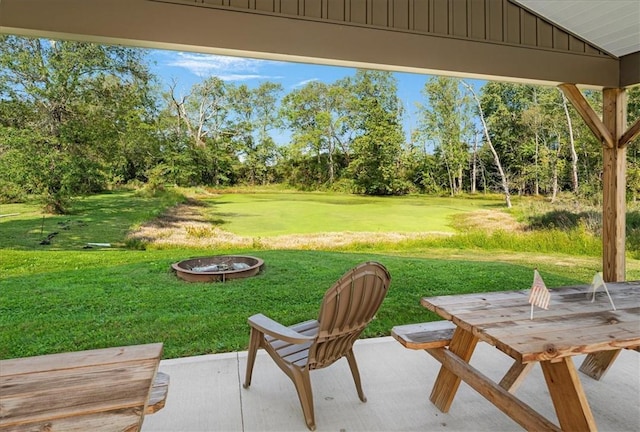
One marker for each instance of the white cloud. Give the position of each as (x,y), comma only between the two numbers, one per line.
(305,82)
(246,77)
(227,68)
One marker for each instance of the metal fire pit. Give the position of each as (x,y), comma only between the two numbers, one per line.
(218,268)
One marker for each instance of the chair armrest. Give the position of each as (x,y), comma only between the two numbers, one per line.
(274,329)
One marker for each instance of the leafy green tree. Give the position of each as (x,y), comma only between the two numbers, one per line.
(557,133)
(633,156)
(548,138)
(535,133)
(503,105)
(317,116)
(376,121)
(446,121)
(482,112)
(255,115)
(633,104)
(78,96)
(535,121)
(203,113)
(420,167)
(572,143)
(589,150)
(200,131)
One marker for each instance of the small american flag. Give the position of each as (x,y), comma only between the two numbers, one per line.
(598,281)
(539,295)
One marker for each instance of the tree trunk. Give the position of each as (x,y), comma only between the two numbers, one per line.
(496,158)
(331,167)
(319,158)
(536,184)
(554,185)
(451,184)
(572,146)
(473,164)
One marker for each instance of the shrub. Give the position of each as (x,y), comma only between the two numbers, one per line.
(343,186)
(199,231)
(11,192)
(135,243)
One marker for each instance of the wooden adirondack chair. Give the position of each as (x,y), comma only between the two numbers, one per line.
(346,310)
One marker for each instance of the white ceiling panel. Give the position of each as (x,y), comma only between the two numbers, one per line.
(613,25)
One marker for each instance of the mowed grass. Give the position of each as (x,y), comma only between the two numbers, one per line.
(273,214)
(61,301)
(104,218)
(62,297)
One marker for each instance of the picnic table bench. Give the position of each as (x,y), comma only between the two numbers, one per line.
(438,334)
(573,325)
(98,390)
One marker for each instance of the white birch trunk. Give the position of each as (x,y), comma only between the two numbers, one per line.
(572,146)
(496,158)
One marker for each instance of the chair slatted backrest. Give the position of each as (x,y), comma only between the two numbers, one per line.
(348,307)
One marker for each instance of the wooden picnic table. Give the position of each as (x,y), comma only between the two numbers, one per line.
(99,390)
(573,325)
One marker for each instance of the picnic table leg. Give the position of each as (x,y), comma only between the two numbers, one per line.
(444,390)
(597,364)
(568,397)
(515,375)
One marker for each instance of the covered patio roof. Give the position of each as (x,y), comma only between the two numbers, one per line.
(615,27)
(490,39)
(570,43)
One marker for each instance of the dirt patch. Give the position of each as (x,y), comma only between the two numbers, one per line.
(488,221)
(182,214)
(334,240)
(185,225)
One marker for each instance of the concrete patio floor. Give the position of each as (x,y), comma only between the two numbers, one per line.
(206,394)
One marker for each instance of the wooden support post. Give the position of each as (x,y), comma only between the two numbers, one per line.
(614,187)
(611,132)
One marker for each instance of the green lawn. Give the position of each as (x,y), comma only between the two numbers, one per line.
(61,297)
(271,214)
(105,218)
(68,300)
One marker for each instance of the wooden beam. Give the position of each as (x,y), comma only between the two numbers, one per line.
(515,375)
(597,364)
(614,188)
(444,390)
(520,412)
(588,114)
(630,134)
(568,396)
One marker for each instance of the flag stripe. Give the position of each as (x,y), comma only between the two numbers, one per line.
(539,295)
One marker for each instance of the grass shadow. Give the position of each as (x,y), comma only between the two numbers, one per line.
(565,220)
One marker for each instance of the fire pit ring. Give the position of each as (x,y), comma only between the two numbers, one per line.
(217,268)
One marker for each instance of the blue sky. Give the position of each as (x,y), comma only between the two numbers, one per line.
(188,68)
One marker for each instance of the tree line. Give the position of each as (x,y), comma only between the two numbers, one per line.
(79,118)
